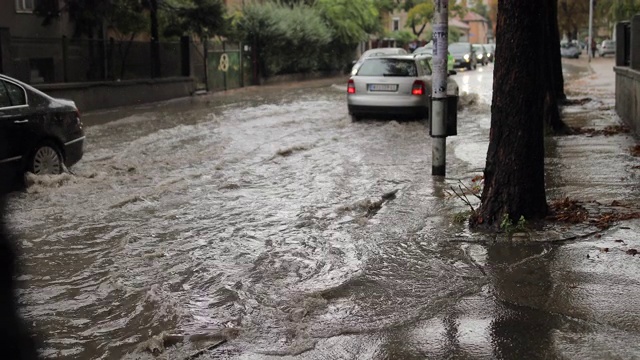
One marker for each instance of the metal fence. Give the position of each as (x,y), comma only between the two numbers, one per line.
(216,65)
(50,60)
(227,66)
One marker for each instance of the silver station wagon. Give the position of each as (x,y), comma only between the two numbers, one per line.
(393,86)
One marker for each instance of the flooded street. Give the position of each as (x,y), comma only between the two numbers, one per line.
(266,218)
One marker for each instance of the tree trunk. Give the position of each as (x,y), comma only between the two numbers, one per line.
(553,70)
(155,39)
(514,173)
(416,32)
(554,48)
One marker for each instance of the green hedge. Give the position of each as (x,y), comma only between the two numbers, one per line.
(288,40)
(300,38)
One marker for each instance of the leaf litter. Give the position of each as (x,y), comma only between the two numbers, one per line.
(603,216)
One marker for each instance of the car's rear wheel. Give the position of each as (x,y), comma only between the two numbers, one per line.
(46,160)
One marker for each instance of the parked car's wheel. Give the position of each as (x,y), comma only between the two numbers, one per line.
(469,66)
(355,118)
(46,159)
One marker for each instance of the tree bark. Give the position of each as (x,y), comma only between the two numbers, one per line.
(554,48)
(155,39)
(514,173)
(553,70)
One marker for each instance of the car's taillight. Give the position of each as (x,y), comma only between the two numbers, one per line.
(418,88)
(351,87)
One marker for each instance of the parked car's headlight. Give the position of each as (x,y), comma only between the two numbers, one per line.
(479,56)
(466,57)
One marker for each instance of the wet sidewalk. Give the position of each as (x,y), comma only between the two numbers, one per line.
(593,272)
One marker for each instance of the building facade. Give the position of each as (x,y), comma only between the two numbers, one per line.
(29,50)
(479,30)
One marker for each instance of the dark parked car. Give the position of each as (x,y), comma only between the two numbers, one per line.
(481,54)
(491,51)
(463,55)
(38,133)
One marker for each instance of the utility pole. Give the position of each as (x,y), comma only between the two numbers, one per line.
(439,88)
(590,28)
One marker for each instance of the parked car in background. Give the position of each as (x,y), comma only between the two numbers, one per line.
(463,55)
(38,133)
(481,54)
(393,86)
(491,51)
(374,53)
(569,50)
(608,47)
(424,50)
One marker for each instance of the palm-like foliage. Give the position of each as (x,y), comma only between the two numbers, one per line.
(286,38)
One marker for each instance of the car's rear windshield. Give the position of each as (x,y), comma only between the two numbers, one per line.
(388,67)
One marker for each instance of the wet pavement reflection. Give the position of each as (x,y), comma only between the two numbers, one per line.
(266,218)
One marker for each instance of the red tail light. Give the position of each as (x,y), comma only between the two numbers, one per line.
(351,87)
(418,88)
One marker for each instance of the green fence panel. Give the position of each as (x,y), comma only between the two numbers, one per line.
(225,67)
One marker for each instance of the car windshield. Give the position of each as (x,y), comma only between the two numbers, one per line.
(477,47)
(388,67)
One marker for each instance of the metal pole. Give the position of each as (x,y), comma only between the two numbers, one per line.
(590,28)
(439,88)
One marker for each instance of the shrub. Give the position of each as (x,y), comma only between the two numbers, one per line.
(288,39)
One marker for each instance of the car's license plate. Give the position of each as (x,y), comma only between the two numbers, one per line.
(383,87)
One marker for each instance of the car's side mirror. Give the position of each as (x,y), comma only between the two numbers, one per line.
(452,72)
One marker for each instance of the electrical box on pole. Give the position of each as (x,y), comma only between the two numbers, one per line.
(439,88)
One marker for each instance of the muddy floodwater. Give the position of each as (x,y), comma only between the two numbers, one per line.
(266,218)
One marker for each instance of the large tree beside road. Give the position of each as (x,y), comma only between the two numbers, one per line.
(514,182)
(554,90)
